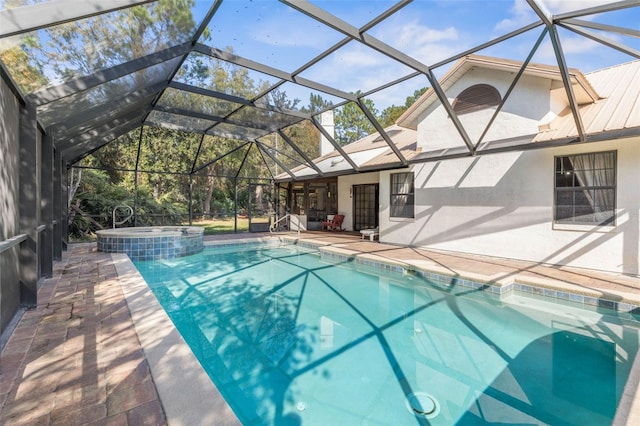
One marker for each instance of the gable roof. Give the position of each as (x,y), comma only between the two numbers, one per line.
(583,90)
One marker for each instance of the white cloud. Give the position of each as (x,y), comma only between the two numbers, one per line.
(520,14)
(577,44)
(562,6)
(573,48)
(414,34)
(356,66)
(425,43)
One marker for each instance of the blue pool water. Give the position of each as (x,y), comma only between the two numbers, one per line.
(291,339)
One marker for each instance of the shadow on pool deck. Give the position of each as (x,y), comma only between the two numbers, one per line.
(76,358)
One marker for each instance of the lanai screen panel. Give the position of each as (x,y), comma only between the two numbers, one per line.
(222,76)
(213,151)
(307,100)
(281,151)
(122,152)
(263,118)
(433,31)
(356,13)
(233,131)
(82,47)
(271,33)
(198,103)
(356,67)
(249,66)
(305,136)
(97,117)
(396,95)
(105,94)
(186,122)
(169,151)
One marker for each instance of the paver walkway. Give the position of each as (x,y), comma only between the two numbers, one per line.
(76,358)
(495,267)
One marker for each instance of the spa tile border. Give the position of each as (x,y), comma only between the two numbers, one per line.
(152,247)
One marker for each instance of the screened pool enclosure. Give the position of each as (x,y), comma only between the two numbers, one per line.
(189,99)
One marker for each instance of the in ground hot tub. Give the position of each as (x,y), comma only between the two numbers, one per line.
(153,242)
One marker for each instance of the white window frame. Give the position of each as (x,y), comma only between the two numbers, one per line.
(396,196)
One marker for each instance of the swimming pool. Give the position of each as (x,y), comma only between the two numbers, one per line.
(290,338)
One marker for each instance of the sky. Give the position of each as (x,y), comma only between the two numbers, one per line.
(428,30)
(272,33)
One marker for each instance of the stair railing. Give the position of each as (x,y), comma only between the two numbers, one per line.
(276,224)
(130,214)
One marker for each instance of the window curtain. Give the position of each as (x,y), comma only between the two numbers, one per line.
(402,202)
(597,172)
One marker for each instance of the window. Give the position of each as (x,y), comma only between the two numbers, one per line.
(476,98)
(585,189)
(402,195)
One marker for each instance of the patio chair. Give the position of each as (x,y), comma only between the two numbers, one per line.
(334,224)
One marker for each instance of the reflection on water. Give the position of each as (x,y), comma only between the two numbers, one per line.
(277,329)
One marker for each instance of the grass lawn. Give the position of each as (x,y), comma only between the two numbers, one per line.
(211,227)
(222,226)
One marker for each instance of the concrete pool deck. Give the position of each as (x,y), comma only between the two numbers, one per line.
(92,351)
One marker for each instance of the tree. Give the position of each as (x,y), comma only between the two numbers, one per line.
(28,76)
(391,114)
(351,124)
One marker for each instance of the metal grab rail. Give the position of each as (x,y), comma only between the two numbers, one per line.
(125,219)
(273,226)
(11,242)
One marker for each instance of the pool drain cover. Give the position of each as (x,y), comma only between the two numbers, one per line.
(423,405)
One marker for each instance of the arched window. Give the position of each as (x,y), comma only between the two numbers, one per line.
(476,98)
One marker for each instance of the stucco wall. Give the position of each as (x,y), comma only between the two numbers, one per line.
(9,203)
(528,106)
(502,205)
(345,200)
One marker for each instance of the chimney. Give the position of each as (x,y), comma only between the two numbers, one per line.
(326,121)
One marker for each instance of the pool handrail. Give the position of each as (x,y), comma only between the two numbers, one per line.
(273,226)
(125,219)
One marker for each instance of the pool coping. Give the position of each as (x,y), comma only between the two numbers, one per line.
(619,301)
(166,350)
(186,392)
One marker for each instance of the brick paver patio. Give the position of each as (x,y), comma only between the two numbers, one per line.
(76,358)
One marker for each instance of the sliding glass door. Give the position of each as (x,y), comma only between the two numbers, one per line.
(365,206)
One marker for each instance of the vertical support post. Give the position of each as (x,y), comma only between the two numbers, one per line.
(135,198)
(46,203)
(29,205)
(64,191)
(306,198)
(58,170)
(135,180)
(276,201)
(190,199)
(250,203)
(235,205)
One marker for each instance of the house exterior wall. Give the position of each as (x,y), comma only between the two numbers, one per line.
(9,203)
(502,205)
(529,105)
(345,200)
